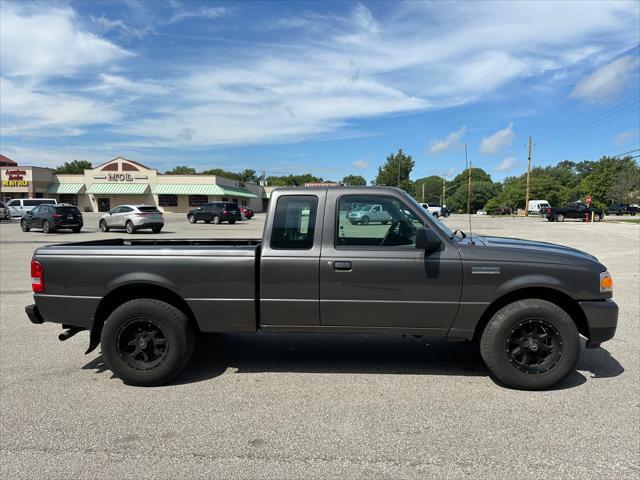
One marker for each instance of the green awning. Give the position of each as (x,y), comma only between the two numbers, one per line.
(72,188)
(118,188)
(201,189)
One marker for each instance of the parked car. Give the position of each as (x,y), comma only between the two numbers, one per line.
(246,212)
(215,212)
(50,218)
(621,209)
(445,212)
(132,218)
(502,211)
(435,210)
(367,214)
(538,206)
(481,212)
(577,210)
(4,212)
(19,206)
(526,302)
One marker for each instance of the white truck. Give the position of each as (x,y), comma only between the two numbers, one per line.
(538,206)
(435,210)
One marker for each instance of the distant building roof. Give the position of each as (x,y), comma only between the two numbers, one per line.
(7,162)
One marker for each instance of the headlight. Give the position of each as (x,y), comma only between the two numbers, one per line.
(606,282)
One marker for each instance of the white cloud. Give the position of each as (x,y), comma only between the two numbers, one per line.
(605,84)
(450,141)
(361,164)
(624,137)
(107,25)
(507,164)
(414,57)
(118,83)
(46,41)
(493,144)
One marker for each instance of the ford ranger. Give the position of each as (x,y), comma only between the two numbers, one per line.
(144,300)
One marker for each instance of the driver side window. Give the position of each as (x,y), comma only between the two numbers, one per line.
(375,221)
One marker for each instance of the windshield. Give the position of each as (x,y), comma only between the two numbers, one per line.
(440,225)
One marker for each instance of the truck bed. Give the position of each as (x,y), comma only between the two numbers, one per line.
(216,278)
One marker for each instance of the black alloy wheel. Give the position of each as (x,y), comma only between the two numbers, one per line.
(534,346)
(141,344)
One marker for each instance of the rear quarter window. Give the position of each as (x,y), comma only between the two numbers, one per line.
(231,206)
(149,209)
(67,210)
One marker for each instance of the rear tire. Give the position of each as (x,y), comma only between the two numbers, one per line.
(130,228)
(216,219)
(156,229)
(231,222)
(530,344)
(146,342)
(103,226)
(24,226)
(191,218)
(47,228)
(76,229)
(559,217)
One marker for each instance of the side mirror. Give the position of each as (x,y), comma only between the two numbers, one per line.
(427,240)
(109,212)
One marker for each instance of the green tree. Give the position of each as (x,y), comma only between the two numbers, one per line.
(626,186)
(181,170)
(481,192)
(355,180)
(76,166)
(395,172)
(599,181)
(293,180)
(432,189)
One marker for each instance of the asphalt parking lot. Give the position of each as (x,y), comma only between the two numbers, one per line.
(308,406)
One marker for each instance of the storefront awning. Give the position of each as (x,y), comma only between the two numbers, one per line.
(70,188)
(204,189)
(118,188)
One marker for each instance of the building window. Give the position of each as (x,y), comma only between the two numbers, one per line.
(197,200)
(244,203)
(168,200)
(225,199)
(234,200)
(68,198)
(38,194)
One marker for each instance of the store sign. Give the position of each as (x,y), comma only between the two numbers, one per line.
(14,178)
(120,177)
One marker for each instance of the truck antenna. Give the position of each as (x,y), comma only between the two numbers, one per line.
(468,194)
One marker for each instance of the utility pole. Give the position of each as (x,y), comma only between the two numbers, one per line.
(422,192)
(444,184)
(469,182)
(526,197)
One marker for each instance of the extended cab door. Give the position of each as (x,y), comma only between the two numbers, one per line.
(372,276)
(289,262)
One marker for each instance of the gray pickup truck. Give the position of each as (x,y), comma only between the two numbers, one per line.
(525,303)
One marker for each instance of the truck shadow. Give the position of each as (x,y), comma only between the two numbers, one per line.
(365,354)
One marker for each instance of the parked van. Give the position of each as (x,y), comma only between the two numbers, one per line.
(538,206)
(19,206)
(4,212)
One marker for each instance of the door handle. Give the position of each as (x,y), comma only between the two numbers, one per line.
(342,265)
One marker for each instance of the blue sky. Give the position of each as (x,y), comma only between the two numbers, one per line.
(323,87)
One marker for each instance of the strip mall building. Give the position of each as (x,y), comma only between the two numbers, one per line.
(121,181)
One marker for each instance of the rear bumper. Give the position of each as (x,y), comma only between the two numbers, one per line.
(602,319)
(34,314)
(150,225)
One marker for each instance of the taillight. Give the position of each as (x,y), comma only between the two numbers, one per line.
(56,215)
(37,276)
(224,212)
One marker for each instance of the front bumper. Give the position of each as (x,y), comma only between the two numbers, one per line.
(602,319)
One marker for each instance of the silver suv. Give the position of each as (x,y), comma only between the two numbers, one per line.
(4,212)
(364,214)
(132,218)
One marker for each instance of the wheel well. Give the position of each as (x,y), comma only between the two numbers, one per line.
(123,294)
(565,302)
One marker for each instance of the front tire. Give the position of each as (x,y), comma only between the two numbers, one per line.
(24,226)
(231,222)
(76,229)
(103,226)
(530,344)
(156,229)
(147,342)
(191,218)
(216,219)
(559,217)
(365,220)
(130,228)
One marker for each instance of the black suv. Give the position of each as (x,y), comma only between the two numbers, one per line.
(215,212)
(52,217)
